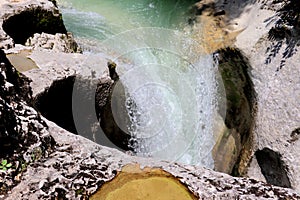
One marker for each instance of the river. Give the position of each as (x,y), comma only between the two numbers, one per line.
(167,73)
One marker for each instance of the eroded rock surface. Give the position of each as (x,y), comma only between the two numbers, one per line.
(21,19)
(240,112)
(58,42)
(23,134)
(269,35)
(79,167)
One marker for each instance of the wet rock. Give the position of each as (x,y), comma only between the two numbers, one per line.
(149,183)
(219,12)
(77,103)
(240,98)
(111,111)
(273,167)
(269,40)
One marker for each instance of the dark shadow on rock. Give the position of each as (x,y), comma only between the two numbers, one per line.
(286,30)
(55,103)
(273,167)
(77,104)
(240,95)
(220,8)
(21,87)
(295,135)
(34,20)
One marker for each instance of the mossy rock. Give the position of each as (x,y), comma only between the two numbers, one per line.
(234,68)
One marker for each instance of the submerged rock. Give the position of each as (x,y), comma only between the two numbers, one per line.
(148,183)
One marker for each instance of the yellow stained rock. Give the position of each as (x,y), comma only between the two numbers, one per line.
(21,61)
(132,183)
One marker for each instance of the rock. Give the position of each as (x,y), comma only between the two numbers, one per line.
(59,65)
(220,12)
(269,40)
(240,112)
(79,167)
(111,109)
(21,19)
(75,168)
(42,29)
(21,88)
(149,183)
(273,167)
(56,43)
(112,70)
(55,103)
(73,94)
(23,134)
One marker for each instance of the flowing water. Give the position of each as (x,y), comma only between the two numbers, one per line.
(170,81)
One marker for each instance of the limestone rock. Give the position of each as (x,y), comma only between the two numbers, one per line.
(79,167)
(23,134)
(270,39)
(76,167)
(57,43)
(19,20)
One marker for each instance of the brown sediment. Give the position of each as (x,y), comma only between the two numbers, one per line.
(213,32)
(132,183)
(216,36)
(21,61)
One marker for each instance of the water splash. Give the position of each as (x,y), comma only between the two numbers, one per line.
(170,82)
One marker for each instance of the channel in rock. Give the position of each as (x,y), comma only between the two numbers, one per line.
(240,113)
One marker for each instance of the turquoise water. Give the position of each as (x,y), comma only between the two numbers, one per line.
(100,19)
(165,72)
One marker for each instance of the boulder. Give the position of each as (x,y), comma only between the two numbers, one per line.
(21,19)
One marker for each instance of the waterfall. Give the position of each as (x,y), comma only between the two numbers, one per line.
(170,82)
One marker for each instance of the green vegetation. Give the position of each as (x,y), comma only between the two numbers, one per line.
(5,165)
